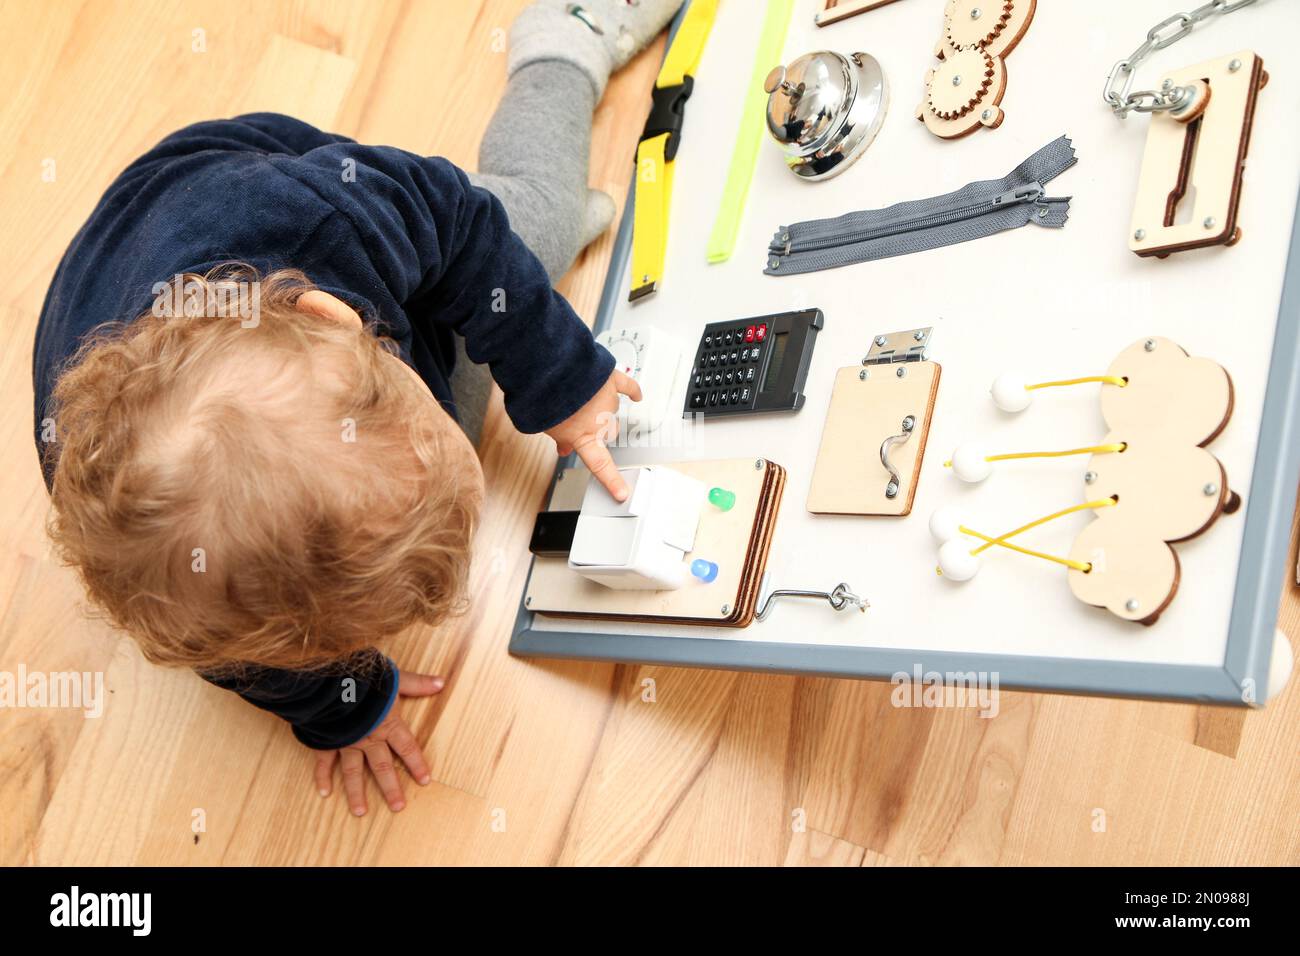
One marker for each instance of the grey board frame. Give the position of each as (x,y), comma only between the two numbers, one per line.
(1241,680)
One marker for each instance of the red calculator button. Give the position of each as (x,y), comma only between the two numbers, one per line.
(761,333)
(749,334)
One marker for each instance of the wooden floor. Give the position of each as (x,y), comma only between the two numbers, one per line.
(534,763)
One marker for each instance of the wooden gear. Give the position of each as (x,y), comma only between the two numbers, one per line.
(963,92)
(738,541)
(1167,487)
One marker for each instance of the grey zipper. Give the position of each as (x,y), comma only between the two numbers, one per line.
(976,210)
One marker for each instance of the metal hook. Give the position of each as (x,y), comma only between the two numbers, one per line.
(839,599)
(891,489)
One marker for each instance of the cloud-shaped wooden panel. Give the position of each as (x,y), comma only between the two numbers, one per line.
(1166,486)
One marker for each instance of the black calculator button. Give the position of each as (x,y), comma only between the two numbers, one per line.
(755,353)
(708,341)
(729,377)
(722,398)
(713,360)
(735,396)
(713,398)
(735,357)
(697,400)
(749,374)
(744,395)
(698,380)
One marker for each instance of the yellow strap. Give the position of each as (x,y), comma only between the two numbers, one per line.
(654,175)
(654,191)
(688,43)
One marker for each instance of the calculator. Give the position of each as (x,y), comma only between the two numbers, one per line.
(753,365)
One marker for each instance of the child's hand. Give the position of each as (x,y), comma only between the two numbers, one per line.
(588,429)
(390,737)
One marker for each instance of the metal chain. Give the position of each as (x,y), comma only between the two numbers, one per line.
(1165,33)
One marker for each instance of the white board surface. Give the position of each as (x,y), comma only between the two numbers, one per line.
(1052,303)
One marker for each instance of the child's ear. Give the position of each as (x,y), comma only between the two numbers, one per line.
(326,306)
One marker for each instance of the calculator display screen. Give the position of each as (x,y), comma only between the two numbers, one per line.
(774,364)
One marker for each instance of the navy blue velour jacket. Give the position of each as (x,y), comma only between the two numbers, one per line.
(404,239)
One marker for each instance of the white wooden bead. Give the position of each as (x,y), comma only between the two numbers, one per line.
(956,562)
(1009,392)
(945,524)
(969,464)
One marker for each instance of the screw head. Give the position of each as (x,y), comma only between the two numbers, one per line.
(975,13)
(1139,234)
(956,80)
(1089,477)
(902,370)
(1131,605)
(986,115)
(880,340)
(1210,490)
(1234,66)
(918,335)
(1149,345)
(1209,222)
(726,609)
(862,376)
(1166,84)
(891,489)
(528,601)
(758,464)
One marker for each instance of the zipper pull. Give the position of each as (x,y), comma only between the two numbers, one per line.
(1021,194)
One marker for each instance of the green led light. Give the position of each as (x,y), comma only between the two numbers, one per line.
(722,499)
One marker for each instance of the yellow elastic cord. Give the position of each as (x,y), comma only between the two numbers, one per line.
(1075,565)
(1119,380)
(1090,450)
(1086,506)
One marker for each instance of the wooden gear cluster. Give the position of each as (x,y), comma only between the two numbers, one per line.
(963,92)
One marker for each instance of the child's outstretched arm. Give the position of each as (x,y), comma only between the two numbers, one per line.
(443,248)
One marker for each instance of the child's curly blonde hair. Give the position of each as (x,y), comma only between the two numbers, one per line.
(273,492)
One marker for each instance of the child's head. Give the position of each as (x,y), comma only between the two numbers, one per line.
(272,487)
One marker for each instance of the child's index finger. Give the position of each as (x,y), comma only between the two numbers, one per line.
(600,463)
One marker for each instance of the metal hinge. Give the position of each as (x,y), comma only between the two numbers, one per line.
(909,346)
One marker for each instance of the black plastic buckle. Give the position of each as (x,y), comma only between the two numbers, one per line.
(667,110)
